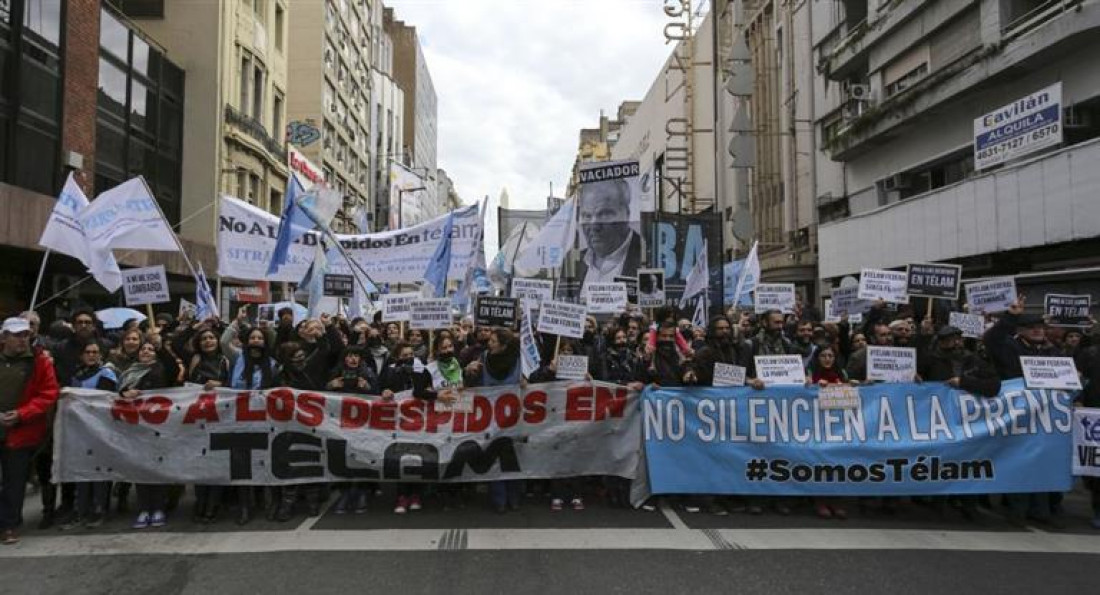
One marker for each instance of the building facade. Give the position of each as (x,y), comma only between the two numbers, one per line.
(419,130)
(594,144)
(900,85)
(388,120)
(236,110)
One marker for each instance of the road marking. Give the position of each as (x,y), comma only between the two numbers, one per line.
(307,525)
(673,518)
(130,544)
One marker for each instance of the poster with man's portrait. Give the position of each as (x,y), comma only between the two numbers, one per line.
(609,234)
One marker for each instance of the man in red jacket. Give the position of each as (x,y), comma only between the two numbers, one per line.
(28,389)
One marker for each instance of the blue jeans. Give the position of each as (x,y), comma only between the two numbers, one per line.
(506,493)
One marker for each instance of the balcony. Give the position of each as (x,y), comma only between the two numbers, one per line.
(1045,200)
(254,129)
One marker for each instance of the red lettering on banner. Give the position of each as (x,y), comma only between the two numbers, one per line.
(609,403)
(534,405)
(311,409)
(479,419)
(412,415)
(125,410)
(280,404)
(155,410)
(436,419)
(578,403)
(383,416)
(205,408)
(507,410)
(354,412)
(244,412)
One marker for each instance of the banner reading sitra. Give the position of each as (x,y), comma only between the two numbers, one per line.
(284,436)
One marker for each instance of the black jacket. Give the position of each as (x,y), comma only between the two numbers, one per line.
(1004,348)
(975,375)
(737,353)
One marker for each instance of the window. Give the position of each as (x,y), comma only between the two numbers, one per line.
(254,189)
(258,92)
(280,18)
(328,96)
(277,116)
(113,35)
(258,8)
(43,18)
(246,81)
(276,201)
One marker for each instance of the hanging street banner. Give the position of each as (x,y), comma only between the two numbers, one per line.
(533,292)
(396,306)
(562,318)
(903,440)
(496,311)
(428,314)
(774,296)
(1068,310)
(339,286)
(1086,442)
(605,298)
(878,284)
(246,238)
(284,436)
(971,325)
(992,295)
(147,285)
(1020,128)
(935,280)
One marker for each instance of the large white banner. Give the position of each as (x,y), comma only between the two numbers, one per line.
(246,237)
(284,436)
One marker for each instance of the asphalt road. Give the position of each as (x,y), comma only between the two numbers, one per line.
(600,549)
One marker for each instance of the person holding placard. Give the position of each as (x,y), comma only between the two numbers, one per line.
(720,346)
(823,371)
(666,366)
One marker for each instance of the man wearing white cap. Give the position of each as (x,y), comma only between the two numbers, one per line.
(28,389)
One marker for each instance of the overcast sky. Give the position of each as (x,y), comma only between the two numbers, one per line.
(516,80)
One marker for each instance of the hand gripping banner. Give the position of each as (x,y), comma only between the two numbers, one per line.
(285,436)
(899,439)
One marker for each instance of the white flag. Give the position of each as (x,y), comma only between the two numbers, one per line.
(698,280)
(699,319)
(555,238)
(127,217)
(750,275)
(65,234)
(528,347)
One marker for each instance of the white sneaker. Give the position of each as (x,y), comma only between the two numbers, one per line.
(142,521)
(556,504)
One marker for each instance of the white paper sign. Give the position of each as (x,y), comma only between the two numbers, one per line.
(728,375)
(1086,442)
(846,299)
(605,298)
(572,367)
(1050,372)
(888,286)
(838,396)
(430,313)
(533,292)
(780,370)
(993,295)
(396,306)
(774,296)
(891,364)
(972,325)
(562,318)
(147,285)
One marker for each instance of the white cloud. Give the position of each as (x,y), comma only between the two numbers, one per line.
(516,80)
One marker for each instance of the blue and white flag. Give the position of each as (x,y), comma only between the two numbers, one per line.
(547,250)
(699,319)
(314,281)
(293,225)
(698,279)
(435,278)
(205,304)
(65,234)
(476,279)
(750,275)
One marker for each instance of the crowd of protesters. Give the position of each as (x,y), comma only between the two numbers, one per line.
(373,358)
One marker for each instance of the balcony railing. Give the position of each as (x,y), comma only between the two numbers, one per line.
(256,130)
(1037,17)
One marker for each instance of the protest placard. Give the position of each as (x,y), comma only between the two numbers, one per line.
(991,295)
(728,375)
(339,286)
(888,286)
(572,367)
(839,396)
(605,298)
(147,285)
(1086,441)
(1050,372)
(496,311)
(934,280)
(395,306)
(774,296)
(562,318)
(265,313)
(846,299)
(533,291)
(651,288)
(1068,310)
(971,325)
(430,313)
(780,370)
(631,288)
(891,364)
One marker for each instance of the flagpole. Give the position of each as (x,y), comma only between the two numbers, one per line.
(38,283)
(175,236)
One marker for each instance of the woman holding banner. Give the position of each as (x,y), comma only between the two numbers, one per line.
(823,371)
(398,378)
(441,381)
(144,374)
(499,366)
(210,369)
(251,367)
(91,496)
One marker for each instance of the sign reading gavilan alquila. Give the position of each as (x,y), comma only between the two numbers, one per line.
(1024,126)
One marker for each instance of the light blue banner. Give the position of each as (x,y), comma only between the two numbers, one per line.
(904,439)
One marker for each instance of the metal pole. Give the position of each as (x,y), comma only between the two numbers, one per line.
(38,283)
(175,236)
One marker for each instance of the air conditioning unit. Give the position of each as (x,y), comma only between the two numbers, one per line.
(897,182)
(852,110)
(858,92)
